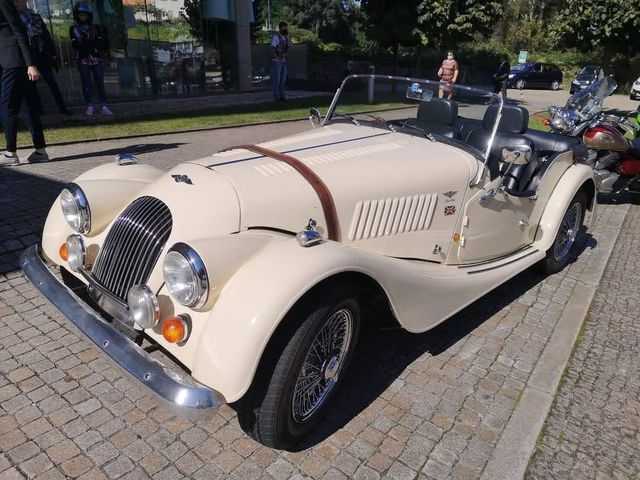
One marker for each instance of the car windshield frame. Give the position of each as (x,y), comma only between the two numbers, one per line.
(522,67)
(480,92)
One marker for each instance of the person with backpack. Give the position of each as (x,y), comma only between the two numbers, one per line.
(90,42)
(280,45)
(43,49)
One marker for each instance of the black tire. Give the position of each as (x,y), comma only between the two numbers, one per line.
(266,412)
(559,254)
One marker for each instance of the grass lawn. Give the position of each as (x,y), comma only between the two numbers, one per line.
(189,121)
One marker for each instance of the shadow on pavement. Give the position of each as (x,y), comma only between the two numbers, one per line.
(132,149)
(25,200)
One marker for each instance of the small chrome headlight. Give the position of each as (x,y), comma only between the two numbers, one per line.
(559,123)
(186,276)
(75,208)
(143,306)
(76,252)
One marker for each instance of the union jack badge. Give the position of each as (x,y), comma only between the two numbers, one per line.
(449,209)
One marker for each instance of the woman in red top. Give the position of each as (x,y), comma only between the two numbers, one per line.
(448,73)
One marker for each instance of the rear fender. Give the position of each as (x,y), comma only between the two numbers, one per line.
(577,177)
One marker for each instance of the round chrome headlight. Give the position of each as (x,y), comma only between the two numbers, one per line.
(76,252)
(75,208)
(186,276)
(143,306)
(558,122)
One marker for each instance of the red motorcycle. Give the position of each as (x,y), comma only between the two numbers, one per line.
(615,159)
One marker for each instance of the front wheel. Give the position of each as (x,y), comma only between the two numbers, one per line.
(558,255)
(291,391)
(520,84)
(555,85)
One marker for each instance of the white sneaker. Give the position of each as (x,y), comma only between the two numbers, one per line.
(105,110)
(90,111)
(37,157)
(6,160)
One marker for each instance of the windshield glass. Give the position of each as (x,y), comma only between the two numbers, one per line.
(588,102)
(413,107)
(588,71)
(520,67)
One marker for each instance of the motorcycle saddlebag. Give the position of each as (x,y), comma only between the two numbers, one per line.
(629,166)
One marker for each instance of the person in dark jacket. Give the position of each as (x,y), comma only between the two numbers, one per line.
(43,50)
(90,42)
(501,76)
(17,85)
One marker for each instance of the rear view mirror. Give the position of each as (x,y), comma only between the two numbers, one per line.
(516,154)
(415,92)
(314,117)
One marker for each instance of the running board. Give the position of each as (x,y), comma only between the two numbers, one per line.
(500,262)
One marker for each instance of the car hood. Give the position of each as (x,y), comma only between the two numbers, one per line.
(358,164)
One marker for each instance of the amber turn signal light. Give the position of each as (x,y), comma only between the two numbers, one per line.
(545,122)
(174,329)
(64,252)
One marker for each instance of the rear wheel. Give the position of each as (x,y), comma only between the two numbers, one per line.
(521,84)
(558,255)
(291,390)
(555,85)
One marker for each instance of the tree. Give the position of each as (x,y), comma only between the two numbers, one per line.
(325,18)
(587,24)
(192,13)
(392,23)
(447,22)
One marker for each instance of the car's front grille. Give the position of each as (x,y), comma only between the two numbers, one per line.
(133,246)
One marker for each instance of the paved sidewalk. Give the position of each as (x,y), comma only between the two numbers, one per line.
(593,429)
(432,406)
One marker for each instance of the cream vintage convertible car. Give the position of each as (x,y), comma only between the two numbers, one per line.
(254,268)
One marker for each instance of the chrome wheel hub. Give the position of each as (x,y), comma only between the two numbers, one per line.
(568,231)
(322,365)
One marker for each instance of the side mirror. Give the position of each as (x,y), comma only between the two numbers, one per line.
(314,117)
(516,154)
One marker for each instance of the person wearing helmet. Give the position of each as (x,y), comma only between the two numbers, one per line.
(89,41)
(17,85)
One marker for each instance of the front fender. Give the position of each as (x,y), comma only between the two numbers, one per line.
(108,189)
(575,178)
(253,303)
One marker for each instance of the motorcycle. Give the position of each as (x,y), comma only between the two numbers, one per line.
(614,158)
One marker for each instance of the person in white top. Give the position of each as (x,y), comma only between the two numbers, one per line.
(280,45)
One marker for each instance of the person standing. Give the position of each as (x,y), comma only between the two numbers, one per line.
(43,50)
(280,45)
(448,73)
(501,76)
(17,84)
(89,41)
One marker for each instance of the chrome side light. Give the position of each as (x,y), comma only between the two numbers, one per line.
(143,306)
(76,252)
(75,208)
(186,276)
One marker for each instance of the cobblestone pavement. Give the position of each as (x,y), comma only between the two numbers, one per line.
(593,429)
(415,406)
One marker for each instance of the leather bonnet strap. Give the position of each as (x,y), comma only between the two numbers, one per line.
(326,199)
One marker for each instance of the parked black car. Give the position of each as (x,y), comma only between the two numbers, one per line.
(589,74)
(535,74)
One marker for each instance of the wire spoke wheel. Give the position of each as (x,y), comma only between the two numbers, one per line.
(568,232)
(322,365)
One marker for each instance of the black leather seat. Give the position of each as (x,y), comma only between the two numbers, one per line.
(513,123)
(551,142)
(437,116)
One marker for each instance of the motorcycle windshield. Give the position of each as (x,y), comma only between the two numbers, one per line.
(588,102)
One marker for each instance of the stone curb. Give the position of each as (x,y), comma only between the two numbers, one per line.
(518,440)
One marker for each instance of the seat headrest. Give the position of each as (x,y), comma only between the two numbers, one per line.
(514,119)
(439,111)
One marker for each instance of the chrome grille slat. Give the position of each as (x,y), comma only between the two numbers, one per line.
(144,253)
(133,246)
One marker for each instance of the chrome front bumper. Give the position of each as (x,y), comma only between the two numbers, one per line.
(178,388)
